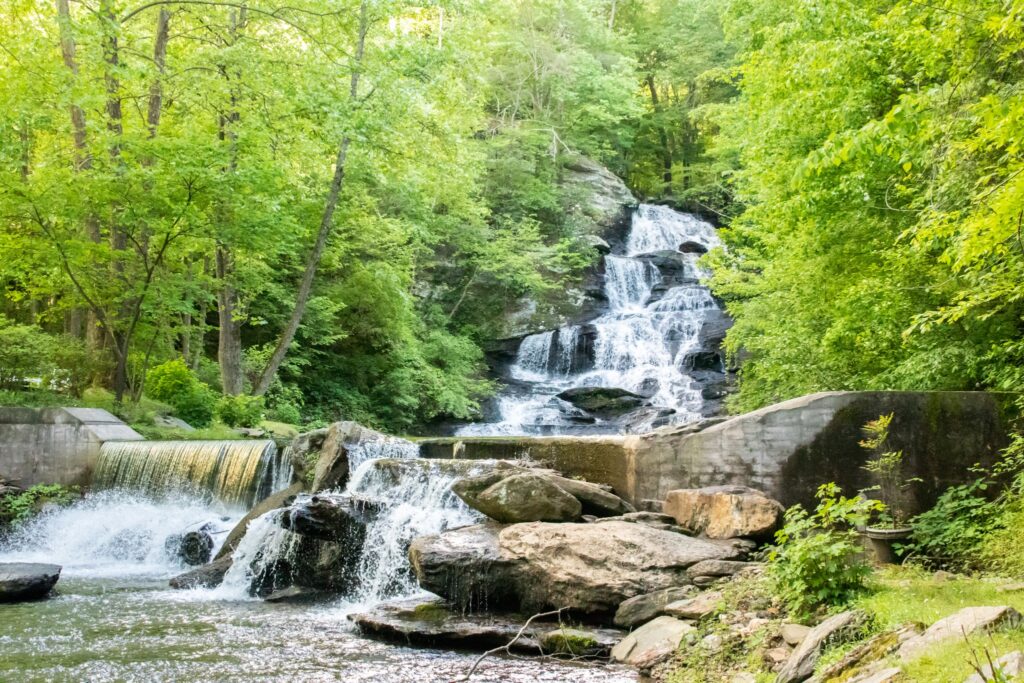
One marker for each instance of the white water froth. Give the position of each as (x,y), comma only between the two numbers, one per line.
(114,534)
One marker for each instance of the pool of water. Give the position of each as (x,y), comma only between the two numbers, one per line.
(136,629)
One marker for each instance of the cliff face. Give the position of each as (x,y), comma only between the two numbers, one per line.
(598,204)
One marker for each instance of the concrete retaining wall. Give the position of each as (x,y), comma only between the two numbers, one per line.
(787,449)
(56,445)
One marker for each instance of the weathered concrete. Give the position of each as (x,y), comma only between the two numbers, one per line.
(786,450)
(56,445)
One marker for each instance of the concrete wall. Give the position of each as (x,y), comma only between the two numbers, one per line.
(56,445)
(787,449)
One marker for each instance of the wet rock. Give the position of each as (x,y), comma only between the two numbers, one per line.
(465,566)
(652,643)
(642,608)
(597,243)
(303,452)
(26,581)
(693,248)
(696,608)
(800,664)
(271,502)
(959,625)
(725,511)
(326,518)
(604,402)
(193,547)
(296,594)
(207,576)
(528,498)
(431,622)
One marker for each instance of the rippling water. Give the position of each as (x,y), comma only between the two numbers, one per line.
(115,619)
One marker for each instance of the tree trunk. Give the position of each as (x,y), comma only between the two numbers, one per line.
(326,223)
(156,90)
(666,149)
(229,341)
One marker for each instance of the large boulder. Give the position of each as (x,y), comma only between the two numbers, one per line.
(588,568)
(465,565)
(528,498)
(24,581)
(272,502)
(725,511)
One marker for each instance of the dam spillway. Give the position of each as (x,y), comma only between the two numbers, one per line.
(235,473)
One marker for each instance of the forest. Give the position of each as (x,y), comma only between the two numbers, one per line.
(319,210)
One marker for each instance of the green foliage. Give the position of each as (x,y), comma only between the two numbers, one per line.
(951,533)
(26,353)
(818,558)
(887,469)
(175,383)
(240,411)
(879,176)
(19,507)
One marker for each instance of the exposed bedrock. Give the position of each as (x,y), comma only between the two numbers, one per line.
(26,581)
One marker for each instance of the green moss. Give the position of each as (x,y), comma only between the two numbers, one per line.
(431,611)
(569,641)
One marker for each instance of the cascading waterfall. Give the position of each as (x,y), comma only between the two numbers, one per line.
(644,342)
(236,473)
(410,496)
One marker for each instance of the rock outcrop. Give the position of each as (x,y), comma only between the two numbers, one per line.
(959,625)
(800,664)
(588,568)
(25,581)
(725,511)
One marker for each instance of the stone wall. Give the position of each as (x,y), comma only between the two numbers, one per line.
(787,449)
(56,445)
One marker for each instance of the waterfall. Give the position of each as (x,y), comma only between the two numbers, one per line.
(116,533)
(643,342)
(410,497)
(237,473)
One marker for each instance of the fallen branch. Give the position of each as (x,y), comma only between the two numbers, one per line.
(507,646)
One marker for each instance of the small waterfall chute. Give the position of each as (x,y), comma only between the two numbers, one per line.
(236,473)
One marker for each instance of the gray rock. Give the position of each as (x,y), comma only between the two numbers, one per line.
(296,594)
(171,422)
(25,581)
(794,634)
(964,622)
(642,608)
(579,642)
(303,452)
(725,511)
(1009,666)
(588,568)
(867,658)
(606,402)
(271,502)
(594,499)
(528,498)
(889,675)
(207,576)
(652,643)
(598,243)
(695,608)
(801,663)
(719,568)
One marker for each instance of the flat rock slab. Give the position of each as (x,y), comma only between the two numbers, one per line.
(430,622)
(1009,667)
(697,607)
(964,622)
(642,608)
(24,581)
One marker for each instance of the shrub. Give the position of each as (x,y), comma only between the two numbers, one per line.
(26,352)
(240,411)
(951,533)
(818,560)
(18,507)
(174,383)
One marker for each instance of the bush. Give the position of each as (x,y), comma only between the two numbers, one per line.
(174,383)
(951,533)
(819,560)
(240,411)
(26,352)
(17,508)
